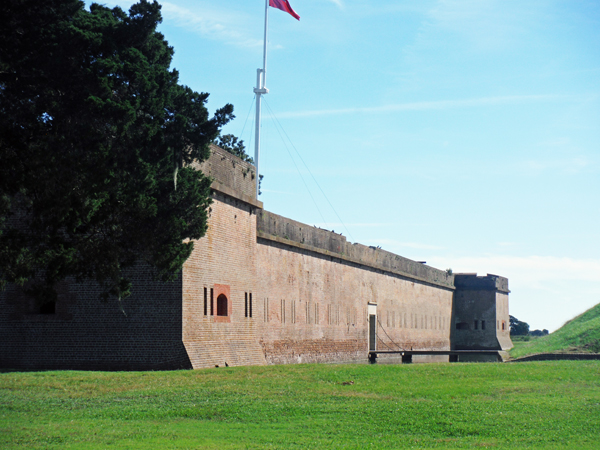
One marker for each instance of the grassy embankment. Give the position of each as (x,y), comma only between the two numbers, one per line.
(527,405)
(579,335)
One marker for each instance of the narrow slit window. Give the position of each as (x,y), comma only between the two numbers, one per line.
(205,302)
(250,305)
(266,309)
(212,309)
(245,304)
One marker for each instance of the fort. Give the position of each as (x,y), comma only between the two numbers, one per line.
(259,288)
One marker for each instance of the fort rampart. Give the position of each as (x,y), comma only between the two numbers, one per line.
(259,288)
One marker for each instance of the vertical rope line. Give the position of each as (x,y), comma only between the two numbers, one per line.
(248,115)
(313,177)
(297,168)
(383,329)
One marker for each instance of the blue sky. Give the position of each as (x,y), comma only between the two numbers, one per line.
(464,133)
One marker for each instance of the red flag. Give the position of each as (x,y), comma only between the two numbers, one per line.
(284,5)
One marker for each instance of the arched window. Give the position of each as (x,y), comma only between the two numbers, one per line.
(221,305)
(48,308)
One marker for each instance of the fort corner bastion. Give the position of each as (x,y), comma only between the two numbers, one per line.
(259,288)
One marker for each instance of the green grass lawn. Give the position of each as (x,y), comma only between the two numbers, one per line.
(582,334)
(524,405)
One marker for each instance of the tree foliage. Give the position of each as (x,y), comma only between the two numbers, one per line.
(518,328)
(539,333)
(95,135)
(234,146)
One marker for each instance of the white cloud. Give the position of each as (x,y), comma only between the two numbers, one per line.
(546,290)
(484,23)
(424,106)
(123,4)
(570,165)
(506,244)
(218,24)
(538,269)
(362,8)
(338,3)
(226,24)
(573,162)
(361,224)
(393,244)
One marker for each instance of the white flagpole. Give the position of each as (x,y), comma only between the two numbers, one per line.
(259,90)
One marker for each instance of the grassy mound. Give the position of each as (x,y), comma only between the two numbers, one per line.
(579,335)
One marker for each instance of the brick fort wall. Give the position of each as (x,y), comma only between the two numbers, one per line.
(258,288)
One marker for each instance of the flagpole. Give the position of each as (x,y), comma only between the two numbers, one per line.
(259,90)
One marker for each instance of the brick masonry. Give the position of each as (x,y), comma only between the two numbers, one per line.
(86,333)
(480,313)
(291,293)
(318,305)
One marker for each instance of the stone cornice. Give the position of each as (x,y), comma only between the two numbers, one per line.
(219,187)
(323,252)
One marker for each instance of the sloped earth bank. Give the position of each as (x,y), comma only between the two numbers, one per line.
(579,335)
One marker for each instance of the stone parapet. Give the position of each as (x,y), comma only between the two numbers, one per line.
(231,175)
(472,282)
(277,228)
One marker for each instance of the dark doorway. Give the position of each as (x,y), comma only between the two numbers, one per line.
(48,308)
(372,332)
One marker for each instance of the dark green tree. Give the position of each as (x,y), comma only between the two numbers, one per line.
(96,136)
(539,333)
(234,146)
(518,328)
